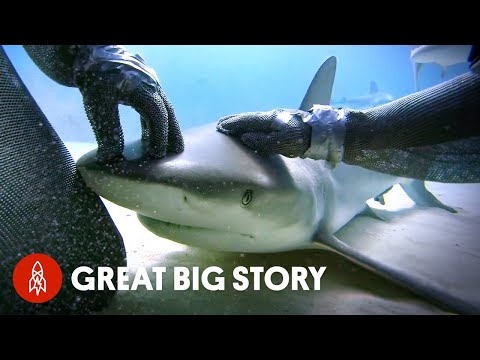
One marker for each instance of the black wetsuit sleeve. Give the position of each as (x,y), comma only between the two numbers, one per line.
(431,135)
(474,59)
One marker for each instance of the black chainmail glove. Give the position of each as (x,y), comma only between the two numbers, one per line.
(274,132)
(108,75)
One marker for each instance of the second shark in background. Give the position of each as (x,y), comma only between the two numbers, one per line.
(443,55)
(374,98)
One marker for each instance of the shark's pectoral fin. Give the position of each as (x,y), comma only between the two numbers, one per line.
(415,283)
(417,191)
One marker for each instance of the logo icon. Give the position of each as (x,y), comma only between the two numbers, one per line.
(37,281)
(37,278)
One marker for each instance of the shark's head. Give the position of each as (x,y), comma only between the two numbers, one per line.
(216,194)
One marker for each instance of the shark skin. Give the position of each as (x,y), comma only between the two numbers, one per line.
(218,194)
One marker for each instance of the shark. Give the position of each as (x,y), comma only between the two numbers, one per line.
(220,195)
(374,98)
(443,55)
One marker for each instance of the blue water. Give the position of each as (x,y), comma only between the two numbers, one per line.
(205,83)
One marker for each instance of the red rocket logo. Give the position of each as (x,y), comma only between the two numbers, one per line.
(37,281)
(37,278)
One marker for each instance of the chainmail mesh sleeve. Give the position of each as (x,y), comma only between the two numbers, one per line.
(46,207)
(56,61)
(431,135)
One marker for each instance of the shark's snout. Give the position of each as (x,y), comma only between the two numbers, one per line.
(216,191)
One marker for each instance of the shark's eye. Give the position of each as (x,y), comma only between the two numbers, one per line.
(247,197)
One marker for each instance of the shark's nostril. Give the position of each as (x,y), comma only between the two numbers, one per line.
(185,198)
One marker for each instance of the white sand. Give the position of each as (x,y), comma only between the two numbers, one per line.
(438,245)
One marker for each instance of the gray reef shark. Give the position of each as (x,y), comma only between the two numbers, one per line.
(220,195)
(374,98)
(443,55)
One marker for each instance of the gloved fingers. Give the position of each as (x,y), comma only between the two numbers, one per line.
(265,143)
(291,142)
(102,112)
(175,138)
(247,122)
(147,102)
(144,129)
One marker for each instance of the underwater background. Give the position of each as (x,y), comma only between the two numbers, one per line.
(206,82)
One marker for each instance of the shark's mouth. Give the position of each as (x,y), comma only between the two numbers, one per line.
(173,226)
(201,237)
(216,239)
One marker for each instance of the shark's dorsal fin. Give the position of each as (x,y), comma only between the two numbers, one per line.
(373,87)
(320,89)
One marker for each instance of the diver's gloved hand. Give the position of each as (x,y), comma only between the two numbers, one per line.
(108,75)
(273,132)
(316,134)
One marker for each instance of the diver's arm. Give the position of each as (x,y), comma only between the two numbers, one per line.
(474,59)
(431,135)
(55,61)
(108,75)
